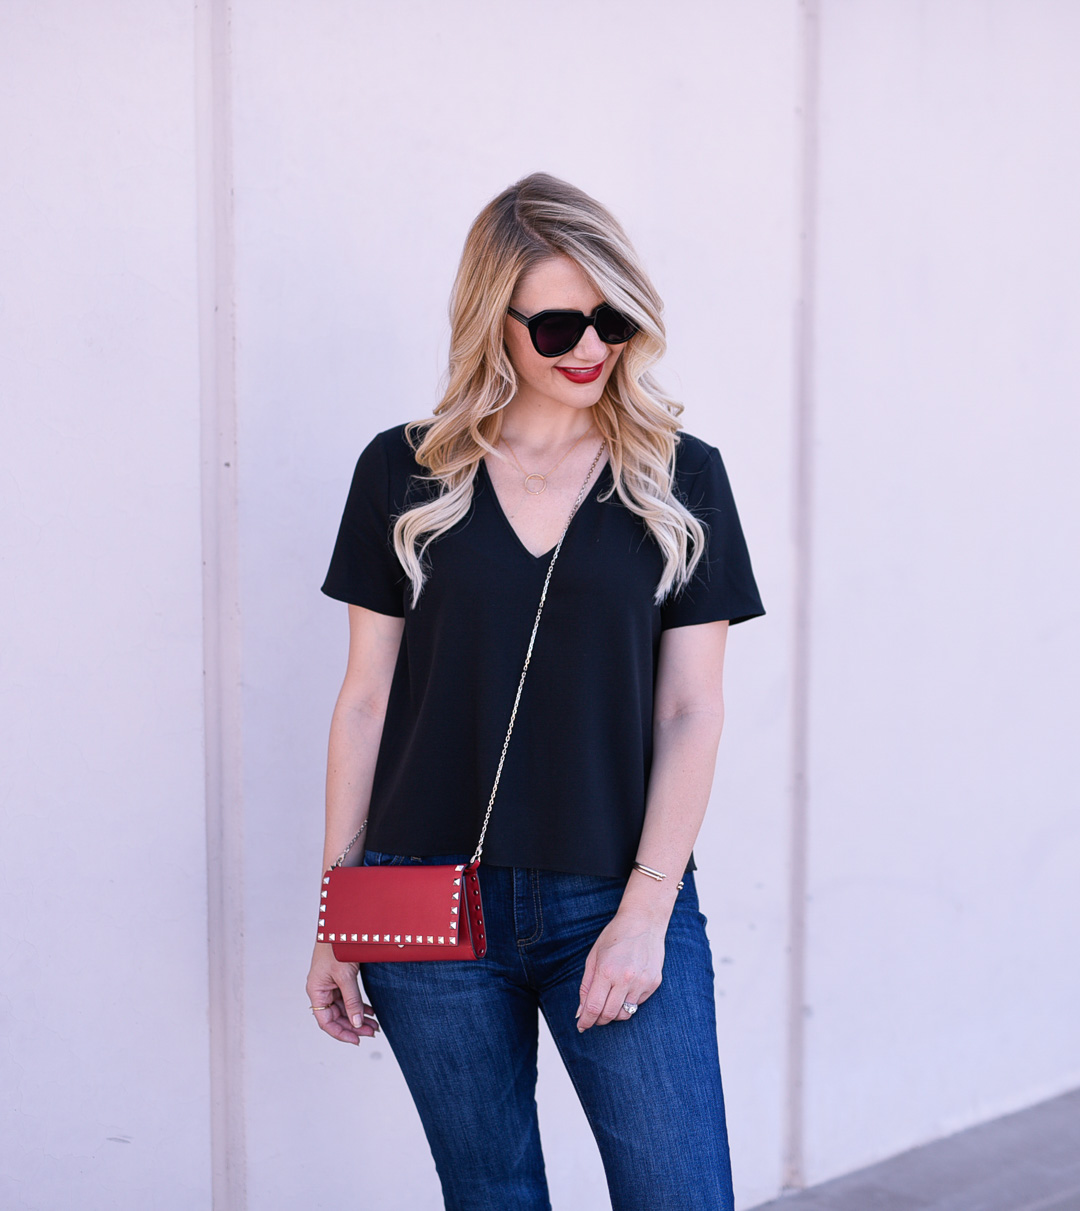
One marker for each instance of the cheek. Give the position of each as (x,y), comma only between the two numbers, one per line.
(528,364)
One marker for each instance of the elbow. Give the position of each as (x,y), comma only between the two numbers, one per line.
(706,717)
(364,705)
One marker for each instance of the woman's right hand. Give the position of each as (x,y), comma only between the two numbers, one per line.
(334,993)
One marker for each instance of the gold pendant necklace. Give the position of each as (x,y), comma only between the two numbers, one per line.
(535,477)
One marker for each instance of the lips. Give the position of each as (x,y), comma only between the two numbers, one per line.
(587,374)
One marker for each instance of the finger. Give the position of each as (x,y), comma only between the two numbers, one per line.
(362,1014)
(329,1012)
(595,1001)
(613,1006)
(326,1007)
(323,991)
(637,995)
(357,1011)
(332,1022)
(631,998)
(586,982)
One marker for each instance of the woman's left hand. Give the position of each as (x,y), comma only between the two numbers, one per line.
(623,967)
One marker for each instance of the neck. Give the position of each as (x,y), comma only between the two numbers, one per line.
(544,423)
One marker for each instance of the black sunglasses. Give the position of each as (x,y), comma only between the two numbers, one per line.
(557,332)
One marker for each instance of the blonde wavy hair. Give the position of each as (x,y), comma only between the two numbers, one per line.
(537,218)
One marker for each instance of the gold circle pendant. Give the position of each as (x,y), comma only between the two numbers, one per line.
(542,480)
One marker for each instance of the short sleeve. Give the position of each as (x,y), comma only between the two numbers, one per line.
(364,570)
(723,585)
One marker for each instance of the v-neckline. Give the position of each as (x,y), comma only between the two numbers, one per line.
(510,525)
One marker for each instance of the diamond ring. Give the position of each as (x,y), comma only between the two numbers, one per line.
(629,1009)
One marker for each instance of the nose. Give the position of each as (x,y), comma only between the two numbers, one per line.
(590,349)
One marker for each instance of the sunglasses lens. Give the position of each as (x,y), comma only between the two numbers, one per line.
(613,327)
(558,334)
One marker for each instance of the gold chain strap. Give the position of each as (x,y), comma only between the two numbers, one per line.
(529,652)
(345,852)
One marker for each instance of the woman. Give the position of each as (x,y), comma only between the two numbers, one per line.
(587,880)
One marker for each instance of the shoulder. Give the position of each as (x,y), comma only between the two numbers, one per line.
(391,457)
(695,461)
(692,454)
(396,451)
(701,480)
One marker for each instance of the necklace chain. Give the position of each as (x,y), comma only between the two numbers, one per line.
(532,476)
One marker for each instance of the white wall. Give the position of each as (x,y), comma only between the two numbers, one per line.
(104,1070)
(944,303)
(944,835)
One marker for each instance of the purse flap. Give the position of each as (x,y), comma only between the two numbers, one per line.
(401,905)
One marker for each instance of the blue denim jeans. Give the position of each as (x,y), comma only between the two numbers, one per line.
(465,1035)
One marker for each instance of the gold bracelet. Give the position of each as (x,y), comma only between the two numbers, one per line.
(642,869)
(658,875)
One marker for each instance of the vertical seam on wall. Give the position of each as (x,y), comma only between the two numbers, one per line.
(221,608)
(794,1160)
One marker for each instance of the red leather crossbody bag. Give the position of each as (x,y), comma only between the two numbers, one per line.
(386,914)
(376,914)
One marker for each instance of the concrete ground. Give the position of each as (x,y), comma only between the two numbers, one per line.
(1028,1161)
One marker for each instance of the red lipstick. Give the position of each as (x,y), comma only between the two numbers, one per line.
(588,374)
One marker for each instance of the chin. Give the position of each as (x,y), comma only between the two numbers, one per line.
(580,400)
(584,396)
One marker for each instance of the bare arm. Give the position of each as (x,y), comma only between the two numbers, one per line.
(355,732)
(356,726)
(626,962)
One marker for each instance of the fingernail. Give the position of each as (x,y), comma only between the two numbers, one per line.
(358,1021)
(578,1014)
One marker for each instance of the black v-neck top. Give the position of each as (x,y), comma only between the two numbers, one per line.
(572,795)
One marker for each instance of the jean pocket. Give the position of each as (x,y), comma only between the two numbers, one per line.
(372,857)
